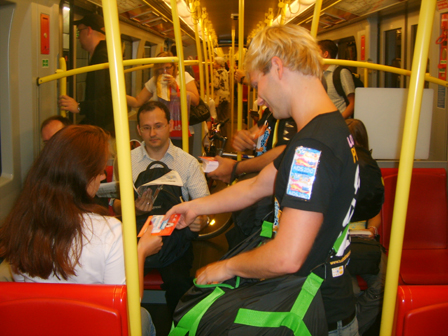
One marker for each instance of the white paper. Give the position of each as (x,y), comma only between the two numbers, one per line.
(108,190)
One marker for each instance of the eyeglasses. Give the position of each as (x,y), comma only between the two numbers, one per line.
(166,68)
(80,30)
(156,128)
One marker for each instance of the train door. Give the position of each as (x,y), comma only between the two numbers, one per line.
(392,49)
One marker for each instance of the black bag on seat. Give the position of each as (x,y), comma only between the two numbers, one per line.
(175,245)
(288,305)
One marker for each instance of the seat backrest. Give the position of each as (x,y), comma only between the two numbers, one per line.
(421,310)
(62,309)
(427,214)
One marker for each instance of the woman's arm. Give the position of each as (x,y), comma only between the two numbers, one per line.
(147,245)
(142,98)
(194,94)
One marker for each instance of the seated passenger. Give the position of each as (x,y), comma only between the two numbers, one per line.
(368,218)
(166,73)
(52,125)
(56,233)
(154,126)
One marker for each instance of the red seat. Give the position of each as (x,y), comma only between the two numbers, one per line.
(421,310)
(62,309)
(425,246)
(153,280)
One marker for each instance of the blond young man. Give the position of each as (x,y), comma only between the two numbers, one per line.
(314,181)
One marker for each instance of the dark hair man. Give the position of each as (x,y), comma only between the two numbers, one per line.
(329,49)
(97,104)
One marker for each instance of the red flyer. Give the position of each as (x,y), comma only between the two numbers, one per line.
(160,227)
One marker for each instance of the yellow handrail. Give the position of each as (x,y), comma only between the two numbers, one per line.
(413,107)
(113,39)
(316,17)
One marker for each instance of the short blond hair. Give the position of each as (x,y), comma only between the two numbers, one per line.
(292,44)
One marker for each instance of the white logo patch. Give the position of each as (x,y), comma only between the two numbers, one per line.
(303,172)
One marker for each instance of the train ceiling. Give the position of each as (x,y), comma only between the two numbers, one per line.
(155,15)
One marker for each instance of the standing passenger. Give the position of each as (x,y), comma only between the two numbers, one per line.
(314,181)
(97,105)
(329,49)
(221,85)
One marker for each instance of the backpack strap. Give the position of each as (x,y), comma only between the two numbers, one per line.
(338,84)
(293,319)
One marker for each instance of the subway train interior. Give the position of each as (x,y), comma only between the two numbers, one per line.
(39,38)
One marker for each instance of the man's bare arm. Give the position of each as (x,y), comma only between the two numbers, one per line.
(283,255)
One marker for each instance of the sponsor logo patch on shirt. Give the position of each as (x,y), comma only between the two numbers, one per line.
(303,172)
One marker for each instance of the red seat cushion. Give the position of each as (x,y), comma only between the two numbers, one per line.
(62,309)
(153,280)
(424,267)
(421,310)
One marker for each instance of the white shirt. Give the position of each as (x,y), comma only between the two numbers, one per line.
(347,85)
(102,256)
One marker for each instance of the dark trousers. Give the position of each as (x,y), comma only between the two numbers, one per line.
(176,279)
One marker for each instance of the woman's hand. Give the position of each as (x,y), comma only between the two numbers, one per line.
(149,244)
(170,80)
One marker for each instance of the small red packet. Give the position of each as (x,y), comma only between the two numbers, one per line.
(160,227)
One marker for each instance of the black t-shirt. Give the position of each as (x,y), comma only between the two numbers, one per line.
(318,172)
(371,193)
(282,130)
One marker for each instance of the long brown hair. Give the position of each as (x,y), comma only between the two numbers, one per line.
(43,234)
(359,132)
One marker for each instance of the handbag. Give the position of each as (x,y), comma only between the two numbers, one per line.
(287,305)
(365,256)
(199,113)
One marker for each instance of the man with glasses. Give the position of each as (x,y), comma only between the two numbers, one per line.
(97,104)
(154,126)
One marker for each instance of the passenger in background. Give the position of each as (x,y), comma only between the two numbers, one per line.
(154,126)
(97,105)
(221,86)
(52,125)
(329,49)
(367,219)
(55,232)
(166,74)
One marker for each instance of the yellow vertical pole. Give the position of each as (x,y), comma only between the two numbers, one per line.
(316,17)
(124,162)
(181,67)
(366,77)
(204,47)
(232,84)
(413,106)
(211,58)
(240,65)
(196,16)
(63,82)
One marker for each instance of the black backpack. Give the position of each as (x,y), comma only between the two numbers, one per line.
(338,85)
(175,245)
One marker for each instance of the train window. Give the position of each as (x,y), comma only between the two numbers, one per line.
(347,50)
(147,73)
(393,57)
(127,55)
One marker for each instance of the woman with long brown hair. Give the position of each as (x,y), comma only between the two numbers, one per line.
(55,231)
